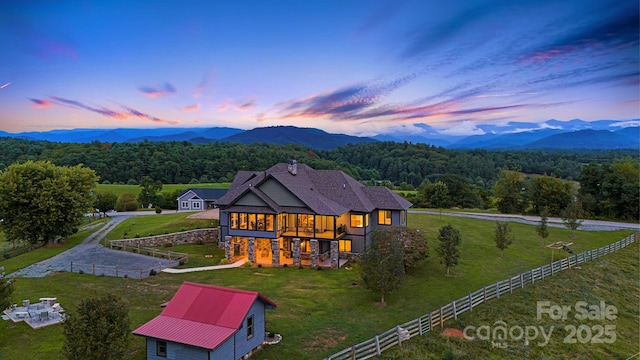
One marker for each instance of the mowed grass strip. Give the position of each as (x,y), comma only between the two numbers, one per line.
(149,225)
(611,279)
(319,312)
(135,189)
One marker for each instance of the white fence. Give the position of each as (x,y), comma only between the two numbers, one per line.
(395,336)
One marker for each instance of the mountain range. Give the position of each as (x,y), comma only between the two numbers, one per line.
(551,134)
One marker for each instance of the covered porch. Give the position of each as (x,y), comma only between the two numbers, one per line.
(282,251)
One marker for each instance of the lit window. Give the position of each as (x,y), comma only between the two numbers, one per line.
(250,327)
(384,217)
(252,221)
(161,348)
(269,219)
(357,221)
(243,221)
(260,219)
(234,220)
(345,245)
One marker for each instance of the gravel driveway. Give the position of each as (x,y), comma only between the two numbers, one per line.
(92,258)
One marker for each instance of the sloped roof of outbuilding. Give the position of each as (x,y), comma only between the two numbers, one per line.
(202,315)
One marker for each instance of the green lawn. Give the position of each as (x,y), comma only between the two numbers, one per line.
(612,279)
(319,312)
(135,189)
(148,225)
(207,254)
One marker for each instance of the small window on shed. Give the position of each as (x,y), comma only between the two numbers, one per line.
(161,348)
(250,327)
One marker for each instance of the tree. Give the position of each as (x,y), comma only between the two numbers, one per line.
(99,330)
(42,202)
(571,216)
(6,289)
(149,192)
(105,201)
(551,193)
(508,191)
(126,202)
(411,241)
(382,268)
(542,229)
(448,249)
(503,236)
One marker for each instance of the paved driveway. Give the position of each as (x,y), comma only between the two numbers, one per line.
(92,258)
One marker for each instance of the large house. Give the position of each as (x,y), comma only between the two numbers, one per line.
(199,198)
(207,322)
(294,214)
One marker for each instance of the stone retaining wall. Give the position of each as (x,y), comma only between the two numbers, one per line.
(208,235)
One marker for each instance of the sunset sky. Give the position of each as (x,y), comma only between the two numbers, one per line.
(346,66)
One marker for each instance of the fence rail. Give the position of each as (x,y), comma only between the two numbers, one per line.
(395,336)
(114,270)
(171,255)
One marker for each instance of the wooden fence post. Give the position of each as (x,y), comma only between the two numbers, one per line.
(510,285)
(455,312)
(470,303)
(532,278)
(521,281)
(441,318)
(484,294)
(353,352)
(498,290)
(378,352)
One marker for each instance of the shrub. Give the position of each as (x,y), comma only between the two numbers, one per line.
(319,268)
(168,245)
(300,267)
(127,202)
(132,182)
(182,262)
(80,271)
(259,265)
(158,210)
(224,261)
(153,272)
(137,235)
(106,182)
(285,265)
(248,264)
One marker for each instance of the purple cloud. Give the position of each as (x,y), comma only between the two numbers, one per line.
(158,91)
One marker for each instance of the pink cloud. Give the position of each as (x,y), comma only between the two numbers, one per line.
(243,105)
(40,104)
(158,91)
(190,108)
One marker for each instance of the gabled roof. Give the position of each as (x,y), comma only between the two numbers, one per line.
(325,192)
(202,315)
(206,194)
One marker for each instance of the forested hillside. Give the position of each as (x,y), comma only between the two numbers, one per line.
(184,162)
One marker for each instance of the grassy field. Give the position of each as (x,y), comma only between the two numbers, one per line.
(319,312)
(612,279)
(148,225)
(135,189)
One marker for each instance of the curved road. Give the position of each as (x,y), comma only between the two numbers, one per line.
(90,252)
(589,225)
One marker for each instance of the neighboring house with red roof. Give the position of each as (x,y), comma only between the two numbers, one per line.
(207,322)
(294,214)
(199,198)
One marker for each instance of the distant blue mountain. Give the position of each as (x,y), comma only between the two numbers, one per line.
(282,135)
(551,134)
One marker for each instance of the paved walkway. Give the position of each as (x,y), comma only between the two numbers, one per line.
(236,264)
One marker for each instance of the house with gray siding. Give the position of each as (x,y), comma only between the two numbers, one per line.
(199,198)
(294,214)
(203,322)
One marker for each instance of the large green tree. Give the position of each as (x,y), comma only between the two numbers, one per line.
(149,192)
(105,201)
(509,191)
(448,251)
(99,330)
(412,242)
(382,266)
(42,202)
(549,192)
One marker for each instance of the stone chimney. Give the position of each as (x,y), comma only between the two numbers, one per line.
(293,167)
